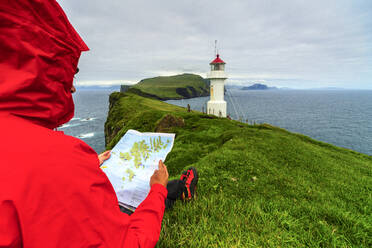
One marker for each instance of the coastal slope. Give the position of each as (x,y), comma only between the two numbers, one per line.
(172,87)
(259,186)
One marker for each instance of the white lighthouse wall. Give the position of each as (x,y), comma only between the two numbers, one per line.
(218,86)
(217,105)
(217,108)
(216,74)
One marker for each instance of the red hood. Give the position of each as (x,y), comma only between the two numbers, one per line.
(39,53)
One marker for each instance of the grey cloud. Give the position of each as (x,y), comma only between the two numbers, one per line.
(312,42)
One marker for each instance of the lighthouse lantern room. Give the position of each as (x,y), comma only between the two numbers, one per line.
(216,104)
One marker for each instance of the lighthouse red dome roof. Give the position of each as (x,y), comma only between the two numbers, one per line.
(217,60)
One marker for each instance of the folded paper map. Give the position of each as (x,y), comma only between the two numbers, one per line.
(133,161)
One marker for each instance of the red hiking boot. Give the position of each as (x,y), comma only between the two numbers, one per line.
(190,177)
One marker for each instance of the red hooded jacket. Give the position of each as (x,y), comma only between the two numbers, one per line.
(52,191)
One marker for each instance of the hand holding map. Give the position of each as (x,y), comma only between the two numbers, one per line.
(132,163)
(160,175)
(103,157)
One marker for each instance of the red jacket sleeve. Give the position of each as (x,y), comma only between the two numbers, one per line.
(10,235)
(145,222)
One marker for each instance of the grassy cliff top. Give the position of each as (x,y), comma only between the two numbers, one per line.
(174,87)
(259,186)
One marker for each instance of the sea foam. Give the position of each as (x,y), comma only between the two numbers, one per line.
(88,119)
(86,135)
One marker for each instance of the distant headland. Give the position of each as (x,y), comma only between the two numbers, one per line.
(259,87)
(170,87)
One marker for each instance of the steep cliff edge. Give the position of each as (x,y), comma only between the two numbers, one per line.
(259,185)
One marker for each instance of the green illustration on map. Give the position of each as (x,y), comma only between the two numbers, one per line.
(157,144)
(125,156)
(131,174)
(140,152)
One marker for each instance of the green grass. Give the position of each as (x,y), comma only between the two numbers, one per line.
(174,87)
(259,186)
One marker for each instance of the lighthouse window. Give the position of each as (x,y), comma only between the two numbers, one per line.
(217,67)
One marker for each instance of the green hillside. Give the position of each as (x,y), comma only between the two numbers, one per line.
(260,186)
(173,87)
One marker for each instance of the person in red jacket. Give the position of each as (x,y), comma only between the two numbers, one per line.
(52,191)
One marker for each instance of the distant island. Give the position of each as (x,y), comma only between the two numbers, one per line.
(259,87)
(170,87)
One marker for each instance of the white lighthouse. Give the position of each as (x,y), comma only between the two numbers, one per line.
(216,104)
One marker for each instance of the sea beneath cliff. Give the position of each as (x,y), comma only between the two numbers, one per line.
(339,117)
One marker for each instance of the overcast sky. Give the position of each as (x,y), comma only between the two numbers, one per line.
(297,44)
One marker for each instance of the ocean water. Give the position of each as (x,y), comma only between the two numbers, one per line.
(340,117)
(88,124)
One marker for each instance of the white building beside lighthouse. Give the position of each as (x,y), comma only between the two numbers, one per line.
(216,104)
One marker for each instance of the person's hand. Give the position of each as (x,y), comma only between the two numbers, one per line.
(160,175)
(104,156)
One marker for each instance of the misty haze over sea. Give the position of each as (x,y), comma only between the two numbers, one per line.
(339,117)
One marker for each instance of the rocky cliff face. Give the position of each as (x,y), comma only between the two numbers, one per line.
(114,117)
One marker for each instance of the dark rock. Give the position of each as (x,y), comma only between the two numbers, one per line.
(194,93)
(168,122)
(183,92)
